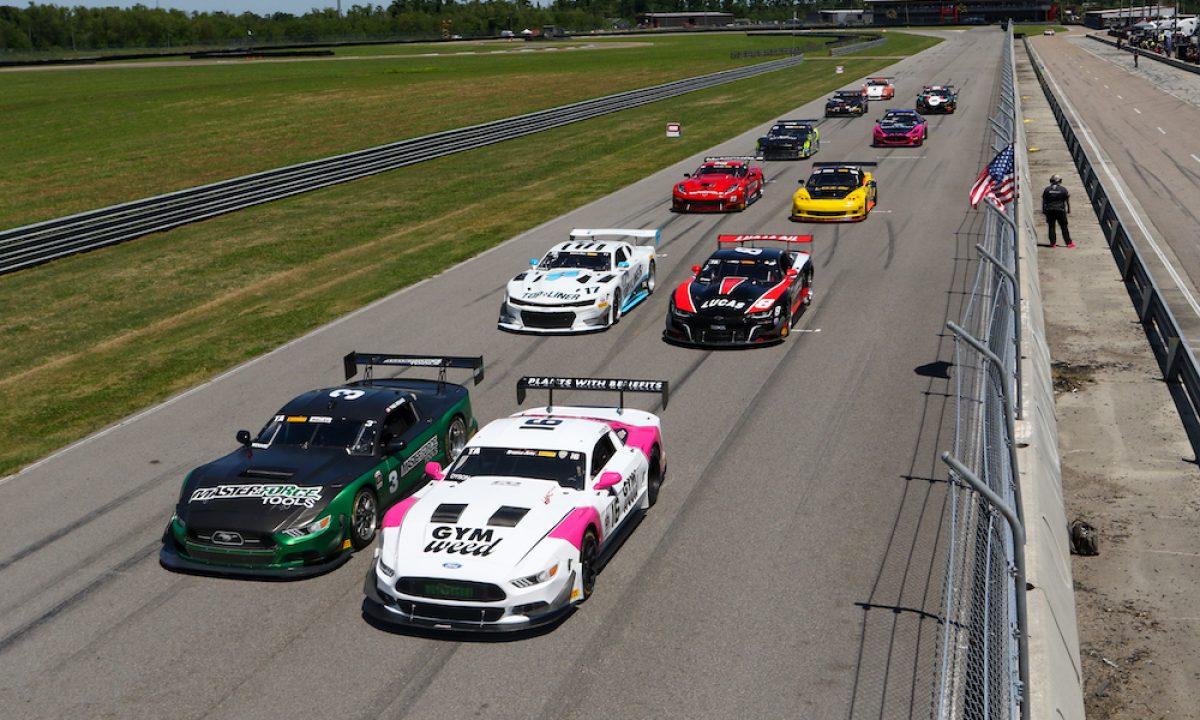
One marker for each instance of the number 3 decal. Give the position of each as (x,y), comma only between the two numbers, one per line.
(393,481)
(347,394)
(544,422)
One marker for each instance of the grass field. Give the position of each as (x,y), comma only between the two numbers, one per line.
(93,338)
(79,139)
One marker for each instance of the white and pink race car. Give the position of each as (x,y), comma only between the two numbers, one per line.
(508,537)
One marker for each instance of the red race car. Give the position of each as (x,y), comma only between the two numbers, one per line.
(719,184)
(879,88)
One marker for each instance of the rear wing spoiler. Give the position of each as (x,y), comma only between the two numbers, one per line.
(882,77)
(580,233)
(352,360)
(621,386)
(804,121)
(846,163)
(743,239)
(726,158)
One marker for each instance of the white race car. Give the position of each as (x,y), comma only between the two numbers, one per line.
(583,284)
(508,536)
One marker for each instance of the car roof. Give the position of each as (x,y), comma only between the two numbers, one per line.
(570,433)
(606,247)
(741,254)
(378,398)
(724,163)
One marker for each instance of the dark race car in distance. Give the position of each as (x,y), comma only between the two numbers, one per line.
(308,490)
(846,102)
(720,184)
(790,140)
(743,295)
(937,99)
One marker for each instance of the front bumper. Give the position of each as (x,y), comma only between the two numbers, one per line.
(784,153)
(173,556)
(550,319)
(721,204)
(813,215)
(392,610)
(724,332)
(895,141)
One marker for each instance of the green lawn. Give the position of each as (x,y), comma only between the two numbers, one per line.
(93,338)
(79,139)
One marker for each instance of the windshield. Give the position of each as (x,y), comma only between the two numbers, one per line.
(847,96)
(898,123)
(756,271)
(790,133)
(734,170)
(356,437)
(560,466)
(582,260)
(877,83)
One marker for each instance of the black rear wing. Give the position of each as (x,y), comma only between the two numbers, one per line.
(621,386)
(352,360)
(844,163)
(805,121)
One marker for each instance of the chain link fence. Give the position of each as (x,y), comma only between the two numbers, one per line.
(982,657)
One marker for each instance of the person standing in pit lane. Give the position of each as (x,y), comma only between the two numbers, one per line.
(1056,206)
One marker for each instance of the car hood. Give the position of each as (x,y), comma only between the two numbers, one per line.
(725,297)
(786,141)
(266,490)
(708,183)
(482,524)
(557,286)
(897,129)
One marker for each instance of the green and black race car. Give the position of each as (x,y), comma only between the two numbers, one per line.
(790,140)
(308,490)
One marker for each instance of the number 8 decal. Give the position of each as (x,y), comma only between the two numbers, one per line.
(346,394)
(543,422)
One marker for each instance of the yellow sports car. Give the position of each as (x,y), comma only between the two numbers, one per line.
(835,192)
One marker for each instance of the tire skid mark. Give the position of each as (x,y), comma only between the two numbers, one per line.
(602,639)
(398,698)
(85,520)
(107,577)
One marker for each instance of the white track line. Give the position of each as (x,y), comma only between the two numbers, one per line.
(1197,159)
(1164,132)
(1139,112)
(1116,186)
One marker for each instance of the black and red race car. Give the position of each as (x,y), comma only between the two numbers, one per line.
(744,294)
(719,184)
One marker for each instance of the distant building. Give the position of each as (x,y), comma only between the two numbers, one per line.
(845,17)
(1122,17)
(963,12)
(684,19)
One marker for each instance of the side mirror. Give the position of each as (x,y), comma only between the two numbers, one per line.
(687,174)
(243,437)
(696,268)
(394,445)
(533,262)
(434,470)
(607,480)
(792,272)
(623,264)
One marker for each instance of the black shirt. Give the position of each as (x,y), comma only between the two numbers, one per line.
(1054,199)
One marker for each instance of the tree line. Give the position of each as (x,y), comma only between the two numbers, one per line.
(54,27)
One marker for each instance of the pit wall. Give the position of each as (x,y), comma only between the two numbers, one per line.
(1056,680)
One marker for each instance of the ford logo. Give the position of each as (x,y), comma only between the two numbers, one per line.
(451,566)
(225,537)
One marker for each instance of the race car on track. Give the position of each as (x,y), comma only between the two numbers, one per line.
(509,536)
(836,192)
(790,140)
(879,88)
(743,295)
(846,102)
(937,99)
(298,498)
(905,128)
(719,184)
(582,285)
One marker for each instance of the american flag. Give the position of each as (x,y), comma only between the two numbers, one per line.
(997,183)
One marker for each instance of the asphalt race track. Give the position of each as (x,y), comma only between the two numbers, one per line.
(1144,122)
(791,567)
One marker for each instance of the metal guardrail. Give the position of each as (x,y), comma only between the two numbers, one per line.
(1171,348)
(41,242)
(983,656)
(767,52)
(847,49)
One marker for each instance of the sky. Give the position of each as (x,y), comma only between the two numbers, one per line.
(236,7)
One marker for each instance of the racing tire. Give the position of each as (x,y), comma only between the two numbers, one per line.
(650,280)
(456,439)
(614,310)
(364,518)
(587,563)
(655,478)
(808,283)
